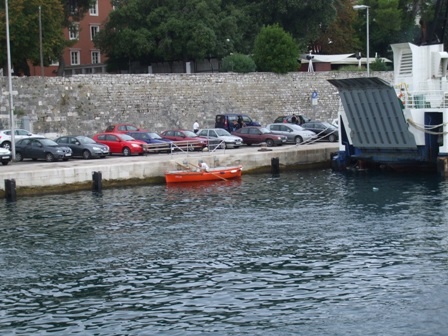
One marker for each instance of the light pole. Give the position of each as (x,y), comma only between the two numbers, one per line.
(40,44)
(11,104)
(360,7)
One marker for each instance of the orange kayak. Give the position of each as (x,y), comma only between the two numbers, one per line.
(219,173)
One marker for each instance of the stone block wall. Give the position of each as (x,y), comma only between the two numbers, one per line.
(86,104)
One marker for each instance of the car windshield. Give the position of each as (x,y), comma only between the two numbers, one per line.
(125,137)
(222,132)
(328,125)
(85,140)
(48,142)
(155,136)
(190,134)
(265,130)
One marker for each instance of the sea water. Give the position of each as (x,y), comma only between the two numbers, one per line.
(308,253)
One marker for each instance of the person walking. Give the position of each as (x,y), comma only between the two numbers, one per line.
(196,127)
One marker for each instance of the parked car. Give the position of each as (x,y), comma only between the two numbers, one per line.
(324,130)
(294,133)
(5,155)
(184,139)
(120,143)
(288,119)
(226,121)
(222,136)
(122,128)
(158,144)
(83,146)
(41,148)
(5,136)
(256,134)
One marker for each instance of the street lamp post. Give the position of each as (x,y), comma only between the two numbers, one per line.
(11,104)
(361,7)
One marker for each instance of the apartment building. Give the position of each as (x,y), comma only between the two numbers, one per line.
(82,57)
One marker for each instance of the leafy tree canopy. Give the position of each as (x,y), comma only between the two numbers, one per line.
(24,32)
(170,30)
(275,50)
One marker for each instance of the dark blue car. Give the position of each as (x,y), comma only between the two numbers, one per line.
(156,142)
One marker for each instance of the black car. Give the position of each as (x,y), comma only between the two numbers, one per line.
(41,148)
(83,146)
(288,119)
(324,130)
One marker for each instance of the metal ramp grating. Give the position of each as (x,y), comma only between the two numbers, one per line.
(374,115)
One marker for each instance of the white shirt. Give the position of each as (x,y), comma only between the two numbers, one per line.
(204,166)
(195,125)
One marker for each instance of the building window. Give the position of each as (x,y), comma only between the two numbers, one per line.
(94,9)
(93,31)
(73,5)
(74,31)
(96,57)
(75,57)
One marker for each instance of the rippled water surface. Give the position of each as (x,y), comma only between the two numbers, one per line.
(309,253)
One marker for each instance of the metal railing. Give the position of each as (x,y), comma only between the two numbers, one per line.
(188,146)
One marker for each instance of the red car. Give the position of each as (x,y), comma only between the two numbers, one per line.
(122,128)
(185,140)
(121,143)
(256,134)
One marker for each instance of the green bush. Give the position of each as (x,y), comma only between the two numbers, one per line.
(238,63)
(275,50)
(379,65)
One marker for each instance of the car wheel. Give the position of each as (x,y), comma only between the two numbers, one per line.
(5,163)
(332,138)
(269,142)
(126,151)
(298,140)
(6,145)
(49,157)
(19,156)
(86,154)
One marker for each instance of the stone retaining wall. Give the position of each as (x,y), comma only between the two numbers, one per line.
(86,104)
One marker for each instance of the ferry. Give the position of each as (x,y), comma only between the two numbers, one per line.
(401,125)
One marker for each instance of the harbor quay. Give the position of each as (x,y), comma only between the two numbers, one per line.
(37,177)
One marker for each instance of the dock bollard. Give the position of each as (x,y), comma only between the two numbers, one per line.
(10,190)
(97,183)
(275,167)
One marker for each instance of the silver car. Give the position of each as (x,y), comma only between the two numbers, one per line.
(294,133)
(228,140)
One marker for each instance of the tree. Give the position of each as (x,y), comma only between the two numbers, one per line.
(24,33)
(171,30)
(304,20)
(238,63)
(339,37)
(275,50)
